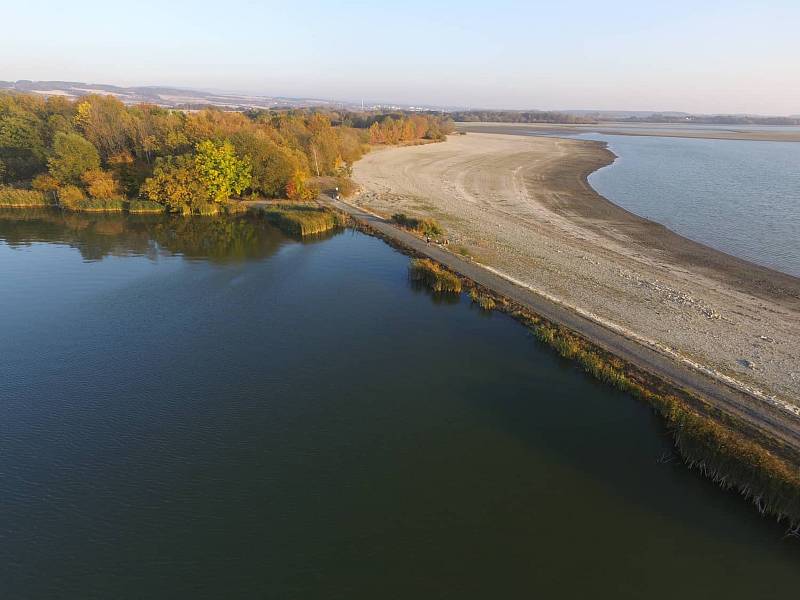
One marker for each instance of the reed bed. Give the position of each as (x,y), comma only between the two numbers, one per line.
(720,450)
(17,198)
(484,301)
(434,276)
(302,220)
(144,207)
(101,205)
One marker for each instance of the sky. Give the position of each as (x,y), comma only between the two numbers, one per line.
(703,56)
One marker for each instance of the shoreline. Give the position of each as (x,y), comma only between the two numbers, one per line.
(716,428)
(638,129)
(523,205)
(594,210)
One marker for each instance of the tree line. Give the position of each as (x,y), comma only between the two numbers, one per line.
(97,147)
(515,116)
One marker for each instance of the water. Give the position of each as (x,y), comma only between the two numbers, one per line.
(208,409)
(741,197)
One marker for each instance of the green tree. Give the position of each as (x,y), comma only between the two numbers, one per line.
(222,172)
(272,165)
(72,156)
(22,147)
(176,184)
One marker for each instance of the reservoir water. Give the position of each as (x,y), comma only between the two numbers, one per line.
(195,408)
(738,196)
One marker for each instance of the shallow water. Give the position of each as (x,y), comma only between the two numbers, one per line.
(209,409)
(741,197)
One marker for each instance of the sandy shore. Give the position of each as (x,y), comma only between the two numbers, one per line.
(726,132)
(522,206)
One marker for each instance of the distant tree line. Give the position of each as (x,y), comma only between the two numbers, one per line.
(713,119)
(96,147)
(514,116)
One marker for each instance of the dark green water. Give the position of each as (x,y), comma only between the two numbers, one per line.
(208,409)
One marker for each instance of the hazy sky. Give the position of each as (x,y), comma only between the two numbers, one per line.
(702,56)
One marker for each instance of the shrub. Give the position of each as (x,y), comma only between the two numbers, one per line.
(16,198)
(347,187)
(69,196)
(100,184)
(434,276)
(421,226)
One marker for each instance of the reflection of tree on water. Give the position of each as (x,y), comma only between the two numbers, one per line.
(95,236)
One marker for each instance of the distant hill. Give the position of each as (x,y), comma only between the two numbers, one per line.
(166,96)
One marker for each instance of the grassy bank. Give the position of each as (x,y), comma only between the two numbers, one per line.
(302,220)
(727,450)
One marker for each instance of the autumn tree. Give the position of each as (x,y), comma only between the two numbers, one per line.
(222,172)
(72,156)
(46,184)
(105,122)
(176,184)
(100,184)
(298,188)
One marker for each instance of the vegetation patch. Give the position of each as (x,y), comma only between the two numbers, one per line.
(101,205)
(302,220)
(145,206)
(18,198)
(434,276)
(484,301)
(419,225)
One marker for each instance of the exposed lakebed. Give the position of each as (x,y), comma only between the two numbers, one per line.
(208,408)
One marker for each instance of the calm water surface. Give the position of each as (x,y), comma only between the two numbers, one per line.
(741,197)
(208,409)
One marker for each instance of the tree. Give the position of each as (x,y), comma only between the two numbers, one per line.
(105,122)
(221,171)
(272,165)
(22,147)
(376,134)
(72,156)
(176,184)
(299,190)
(100,184)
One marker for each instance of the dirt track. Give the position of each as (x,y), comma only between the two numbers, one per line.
(521,205)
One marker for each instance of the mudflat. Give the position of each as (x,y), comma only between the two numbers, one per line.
(522,205)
